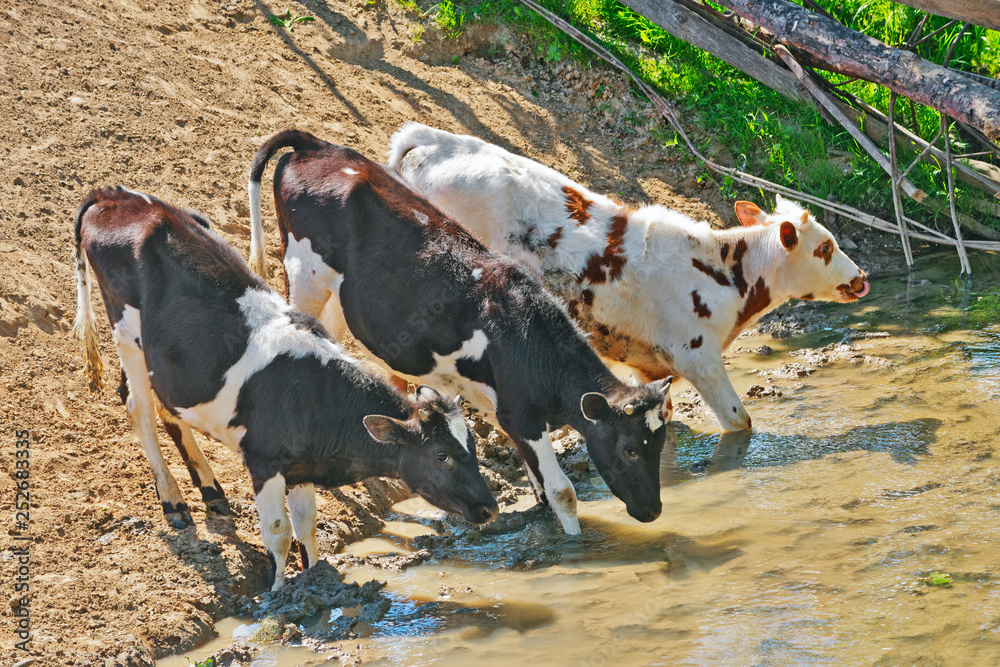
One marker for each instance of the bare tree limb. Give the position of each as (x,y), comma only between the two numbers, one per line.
(688,26)
(846,51)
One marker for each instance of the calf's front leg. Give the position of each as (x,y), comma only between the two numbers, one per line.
(547,477)
(275,528)
(302,505)
(704,369)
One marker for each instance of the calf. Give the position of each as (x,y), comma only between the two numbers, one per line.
(206,344)
(658,292)
(431,303)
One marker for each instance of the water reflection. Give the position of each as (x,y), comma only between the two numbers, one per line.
(690,453)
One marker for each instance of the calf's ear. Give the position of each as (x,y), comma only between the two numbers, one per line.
(426,393)
(749,214)
(387,429)
(789,235)
(663,386)
(595,407)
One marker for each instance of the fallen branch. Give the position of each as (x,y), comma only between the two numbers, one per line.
(692,28)
(836,48)
(912,191)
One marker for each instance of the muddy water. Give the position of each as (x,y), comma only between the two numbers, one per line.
(807,542)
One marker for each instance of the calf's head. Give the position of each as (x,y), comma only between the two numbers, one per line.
(438,456)
(813,267)
(625,439)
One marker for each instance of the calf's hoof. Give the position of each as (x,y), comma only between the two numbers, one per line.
(219,506)
(177,515)
(215,499)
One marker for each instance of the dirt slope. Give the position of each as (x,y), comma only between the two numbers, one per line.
(173,98)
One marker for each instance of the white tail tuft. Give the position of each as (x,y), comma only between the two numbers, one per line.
(85,325)
(258,261)
(408,137)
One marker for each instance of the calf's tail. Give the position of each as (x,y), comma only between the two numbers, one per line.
(85,324)
(405,139)
(294,139)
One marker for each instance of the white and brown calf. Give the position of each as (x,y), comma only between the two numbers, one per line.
(206,344)
(659,292)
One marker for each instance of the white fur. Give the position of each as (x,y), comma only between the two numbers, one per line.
(257,260)
(460,430)
(498,196)
(477,274)
(275,528)
(557,487)
(348,170)
(271,334)
(446,377)
(654,419)
(302,507)
(85,324)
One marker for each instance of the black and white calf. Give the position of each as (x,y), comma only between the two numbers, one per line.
(204,342)
(428,301)
(657,292)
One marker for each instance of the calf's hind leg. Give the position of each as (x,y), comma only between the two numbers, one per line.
(202,475)
(142,415)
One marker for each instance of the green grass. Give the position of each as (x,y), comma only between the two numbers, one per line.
(767,134)
(289,20)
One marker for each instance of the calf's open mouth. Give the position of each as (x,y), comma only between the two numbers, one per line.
(853,291)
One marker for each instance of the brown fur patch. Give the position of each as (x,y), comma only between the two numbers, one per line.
(807,297)
(827,255)
(739,281)
(567,498)
(620,347)
(699,306)
(588,297)
(711,271)
(758,299)
(724,251)
(554,237)
(608,266)
(696,343)
(577,205)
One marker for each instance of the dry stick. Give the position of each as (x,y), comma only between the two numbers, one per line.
(889,165)
(966,267)
(847,51)
(668,113)
(895,178)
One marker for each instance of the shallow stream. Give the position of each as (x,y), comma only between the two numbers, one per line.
(810,541)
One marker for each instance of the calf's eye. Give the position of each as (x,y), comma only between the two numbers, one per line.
(631,452)
(443,457)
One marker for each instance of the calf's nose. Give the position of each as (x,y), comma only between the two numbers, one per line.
(647,515)
(486,513)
